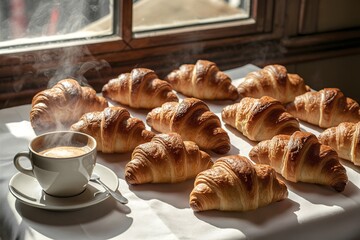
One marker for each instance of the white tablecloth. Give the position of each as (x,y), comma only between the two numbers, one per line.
(161,211)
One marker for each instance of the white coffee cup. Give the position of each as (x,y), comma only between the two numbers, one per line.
(62,162)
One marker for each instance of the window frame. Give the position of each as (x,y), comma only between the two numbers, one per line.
(259,21)
(124,50)
(275,37)
(124,39)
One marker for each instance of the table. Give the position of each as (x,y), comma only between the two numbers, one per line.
(161,211)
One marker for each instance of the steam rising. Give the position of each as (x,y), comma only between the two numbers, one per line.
(60,139)
(71,66)
(34,19)
(40,22)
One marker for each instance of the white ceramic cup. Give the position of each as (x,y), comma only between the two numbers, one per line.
(62,162)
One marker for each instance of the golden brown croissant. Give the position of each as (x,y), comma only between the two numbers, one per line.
(235,184)
(273,81)
(300,157)
(203,80)
(345,140)
(167,158)
(326,108)
(260,119)
(62,105)
(114,130)
(194,121)
(139,89)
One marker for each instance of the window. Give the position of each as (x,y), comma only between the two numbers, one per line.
(26,22)
(121,33)
(148,16)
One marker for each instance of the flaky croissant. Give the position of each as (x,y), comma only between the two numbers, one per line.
(345,140)
(194,121)
(62,105)
(273,81)
(166,159)
(325,108)
(114,130)
(300,157)
(203,80)
(141,88)
(260,119)
(235,184)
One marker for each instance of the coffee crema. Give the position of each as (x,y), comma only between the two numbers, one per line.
(64,151)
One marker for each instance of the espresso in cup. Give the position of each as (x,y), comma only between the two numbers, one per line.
(62,162)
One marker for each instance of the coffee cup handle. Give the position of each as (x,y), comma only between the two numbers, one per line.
(19,167)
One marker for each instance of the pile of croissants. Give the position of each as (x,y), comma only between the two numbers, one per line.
(267,107)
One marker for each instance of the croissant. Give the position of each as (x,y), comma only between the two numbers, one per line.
(167,158)
(326,108)
(235,184)
(114,130)
(194,121)
(345,140)
(62,105)
(260,119)
(141,88)
(273,81)
(203,80)
(300,157)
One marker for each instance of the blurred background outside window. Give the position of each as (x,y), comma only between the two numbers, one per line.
(164,14)
(39,21)
(33,21)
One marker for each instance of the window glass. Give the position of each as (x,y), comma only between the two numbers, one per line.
(150,15)
(35,21)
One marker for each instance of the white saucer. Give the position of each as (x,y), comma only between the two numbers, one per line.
(28,191)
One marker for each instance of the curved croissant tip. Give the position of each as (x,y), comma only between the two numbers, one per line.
(254,152)
(339,186)
(241,91)
(195,204)
(172,97)
(233,92)
(147,135)
(130,177)
(105,88)
(222,149)
(149,118)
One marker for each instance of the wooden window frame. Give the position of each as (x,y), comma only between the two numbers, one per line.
(278,31)
(125,50)
(260,21)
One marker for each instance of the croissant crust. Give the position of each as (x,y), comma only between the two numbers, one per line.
(167,158)
(194,121)
(300,157)
(326,108)
(62,105)
(141,88)
(203,80)
(114,129)
(260,119)
(235,184)
(345,140)
(273,81)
